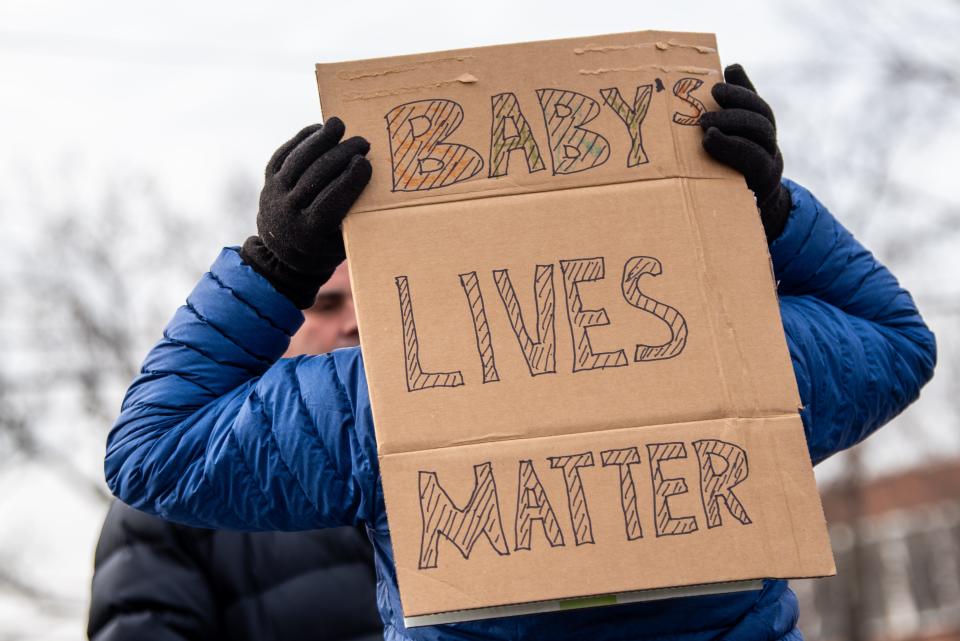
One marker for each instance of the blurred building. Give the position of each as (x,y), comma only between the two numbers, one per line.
(897,545)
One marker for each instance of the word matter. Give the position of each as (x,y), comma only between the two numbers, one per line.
(722,467)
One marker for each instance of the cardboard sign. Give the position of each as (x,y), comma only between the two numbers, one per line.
(577,369)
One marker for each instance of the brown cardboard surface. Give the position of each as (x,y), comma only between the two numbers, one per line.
(781,540)
(593,306)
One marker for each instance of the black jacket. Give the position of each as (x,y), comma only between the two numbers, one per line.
(158,580)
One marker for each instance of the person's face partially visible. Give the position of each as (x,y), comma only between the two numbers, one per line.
(331,322)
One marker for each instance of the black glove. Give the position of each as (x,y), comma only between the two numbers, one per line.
(743,135)
(311,183)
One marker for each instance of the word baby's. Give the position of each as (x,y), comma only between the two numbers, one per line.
(538,341)
(722,467)
(422,157)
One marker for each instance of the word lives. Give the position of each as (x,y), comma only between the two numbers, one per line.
(537,341)
(722,466)
(423,156)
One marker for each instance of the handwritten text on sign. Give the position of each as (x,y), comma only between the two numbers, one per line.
(422,158)
(722,466)
(537,342)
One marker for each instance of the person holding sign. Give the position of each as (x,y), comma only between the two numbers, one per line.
(217,432)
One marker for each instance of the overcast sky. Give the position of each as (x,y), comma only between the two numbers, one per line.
(193,91)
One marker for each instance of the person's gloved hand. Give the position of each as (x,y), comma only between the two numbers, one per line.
(311,183)
(743,135)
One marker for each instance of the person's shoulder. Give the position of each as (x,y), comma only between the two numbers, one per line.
(348,362)
(124,523)
(347,355)
(125,526)
(336,377)
(343,363)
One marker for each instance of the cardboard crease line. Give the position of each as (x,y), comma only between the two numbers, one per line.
(651,426)
(527,190)
(659,44)
(410,66)
(699,71)
(465,78)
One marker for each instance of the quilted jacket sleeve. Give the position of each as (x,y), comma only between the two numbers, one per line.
(216,432)
(860,349)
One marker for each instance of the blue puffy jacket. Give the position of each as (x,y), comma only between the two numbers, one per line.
(217,432)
